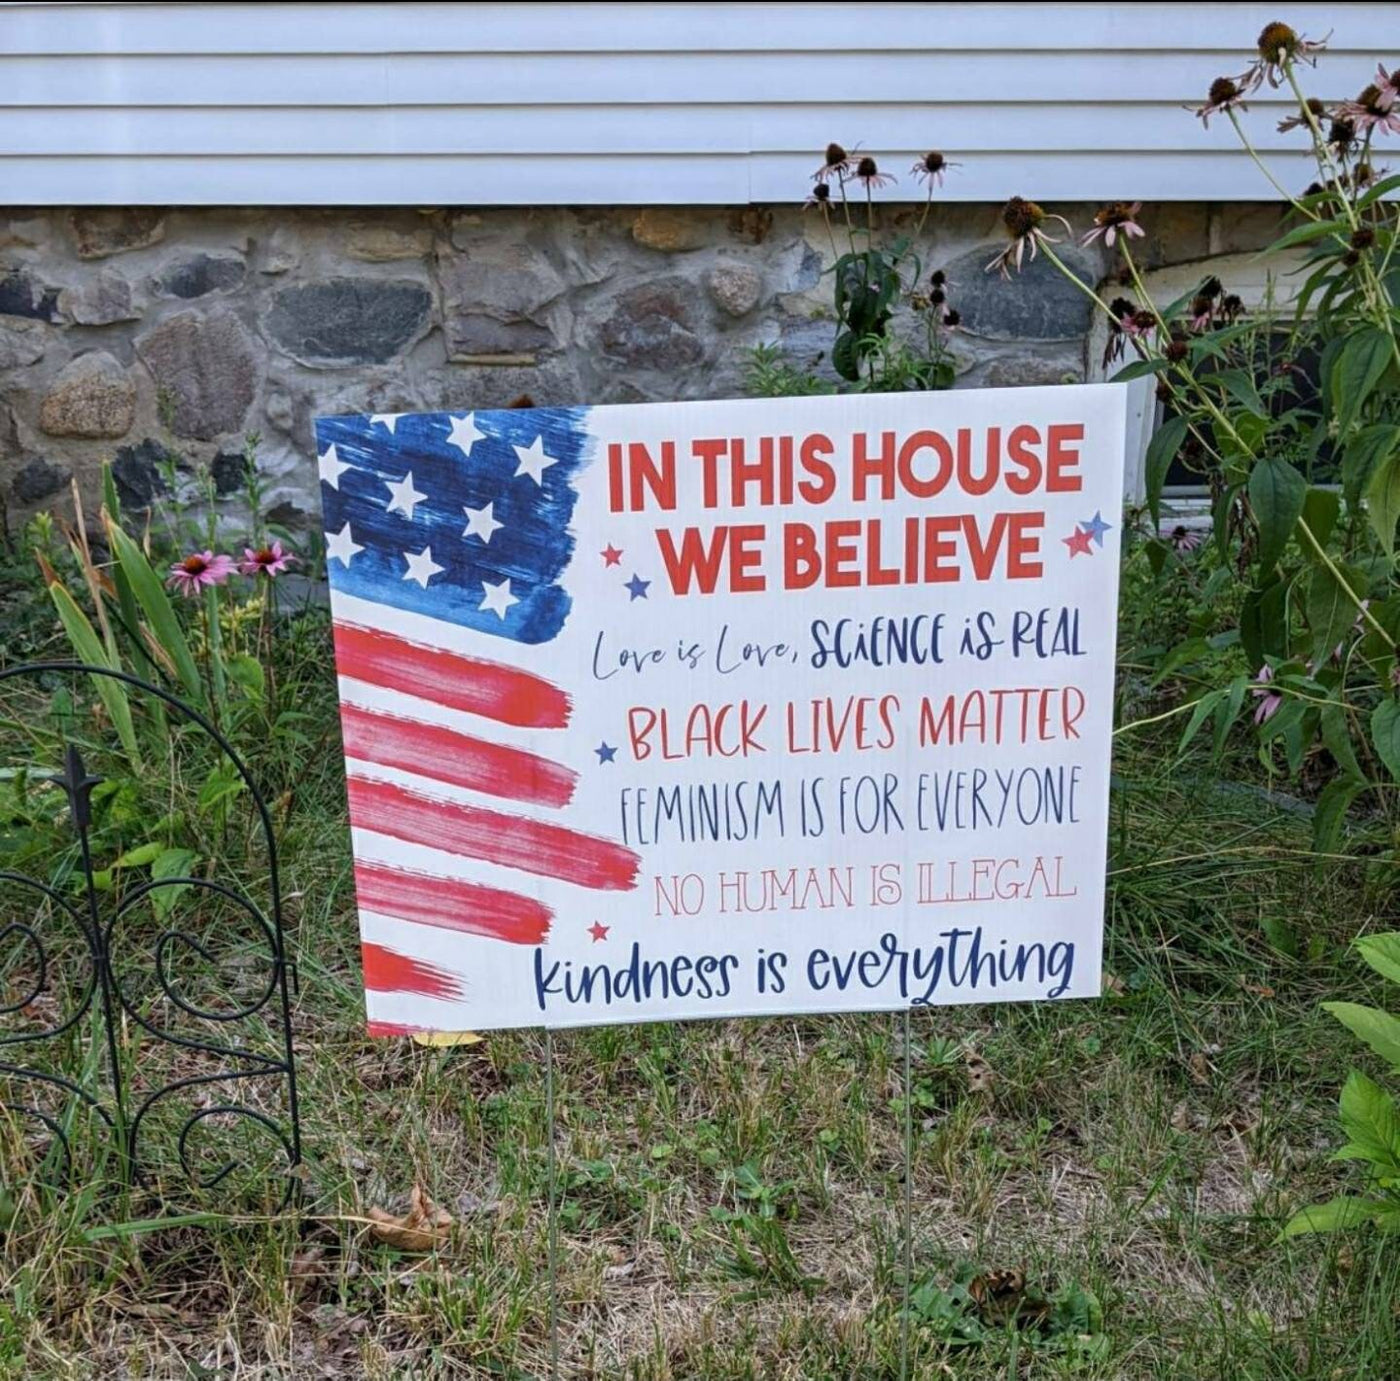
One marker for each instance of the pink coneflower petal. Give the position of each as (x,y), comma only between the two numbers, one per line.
(270,561)
(198,571)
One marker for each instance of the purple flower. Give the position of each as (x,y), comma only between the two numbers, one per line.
(1184,539)
(1269,700)
(1115,217)
(868,173)
(931,167)
(270,561)
(199,571)
(1224,94)
(1023,221)
(1373,109)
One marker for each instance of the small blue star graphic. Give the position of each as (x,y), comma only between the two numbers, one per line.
(1096,527)
(637,586)
(605,752)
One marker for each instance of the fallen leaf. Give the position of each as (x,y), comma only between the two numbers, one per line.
(619,1272)
(979,1073)
(1000,1297)
(1112,984)
(305,1269)
(447,1038)
(422,1228)
(1199,1067)
(1257,989)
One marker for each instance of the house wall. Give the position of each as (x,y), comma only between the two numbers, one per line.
(132,333)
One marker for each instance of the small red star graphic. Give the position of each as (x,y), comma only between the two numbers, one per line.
(1079,543)
(611,555)
(599,931)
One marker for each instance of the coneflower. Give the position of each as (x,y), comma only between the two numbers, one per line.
(1023,221)
(837,163)
(1224,94)
(869,175)
(1314,108)
(1116,217)
(931,167)
(1373,109)
(1278,45)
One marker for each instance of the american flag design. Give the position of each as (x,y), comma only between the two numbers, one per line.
(446,532)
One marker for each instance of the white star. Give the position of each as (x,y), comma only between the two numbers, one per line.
(341,546)
(497,598)
(533,461)
(331,467)
(481,522)
(389,419)
(421,566)
(405,496)
(465,434)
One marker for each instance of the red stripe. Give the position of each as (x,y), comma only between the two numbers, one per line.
(532,845)
(463,683)
(451,904)
(388,971)
(392,1028)
(448,756)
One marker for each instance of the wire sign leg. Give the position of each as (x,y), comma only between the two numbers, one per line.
(553,1208)
(907,1232)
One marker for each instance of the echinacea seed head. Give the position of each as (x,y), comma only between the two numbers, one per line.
(1020,217)
(1276,39)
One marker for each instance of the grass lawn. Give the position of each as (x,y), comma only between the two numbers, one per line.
(1097,1186)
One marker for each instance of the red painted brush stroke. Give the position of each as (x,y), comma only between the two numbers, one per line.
(388,971)
(448,756)
(532,845)
(447,678)
(452,904)
(392,1028)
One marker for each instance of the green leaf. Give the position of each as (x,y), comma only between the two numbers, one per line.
(1382,953)
(845,356)
(247,672)
(1385,735)
(1363,453)
(1370,1120)
(1383,500)
(1330,813)
(1228,712)
(1205,706)
(1161,451)
(1305,234)
(87,647)
(1346,1211)
(170,863)
(1280,935)
(1378,1029)
(139,856)
(1331,610)
(1321,509)
(1336,738)
(160,613)
(1357,371)
(1276,494)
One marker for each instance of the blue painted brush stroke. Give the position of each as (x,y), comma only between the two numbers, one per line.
(531,549)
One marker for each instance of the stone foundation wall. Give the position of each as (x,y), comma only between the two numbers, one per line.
(131,333)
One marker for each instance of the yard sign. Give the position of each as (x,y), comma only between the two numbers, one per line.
(710,709)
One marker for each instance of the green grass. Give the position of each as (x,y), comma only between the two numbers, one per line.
(731,1191)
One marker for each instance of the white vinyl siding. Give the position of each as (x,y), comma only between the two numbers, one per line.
(503,104)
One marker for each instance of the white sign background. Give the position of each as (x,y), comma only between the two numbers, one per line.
(904,871)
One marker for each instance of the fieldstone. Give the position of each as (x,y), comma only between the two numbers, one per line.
(206,366)
(102,230)
(37,481)
(736,287)
(652,325)
(280,410)
(200,275)
(21,343)
(139,473)
(21,296)
(99,301)
(1038,303)
(227,471)
(659,227)
(499,298)
(283,252)
(23,230)
(288,515)
(343,321)
(92,397)
(376,243)
(1025,371)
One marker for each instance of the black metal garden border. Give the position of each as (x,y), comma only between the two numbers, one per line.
(123,1123)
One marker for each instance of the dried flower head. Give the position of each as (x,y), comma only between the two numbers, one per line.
(1314,108)
(1341,134)
(1164,391)
(1278,46)
(1212,288)
(200,570)
(1023,221)
(1224,94)
(938,278)
(952,318)
(820,196)
(1177,349)
(1373,110)
(1231,306)
(1202,311)
(836,163)
(869,175)
(931,167)
(1363,237)
(937,296)
(1116,217)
